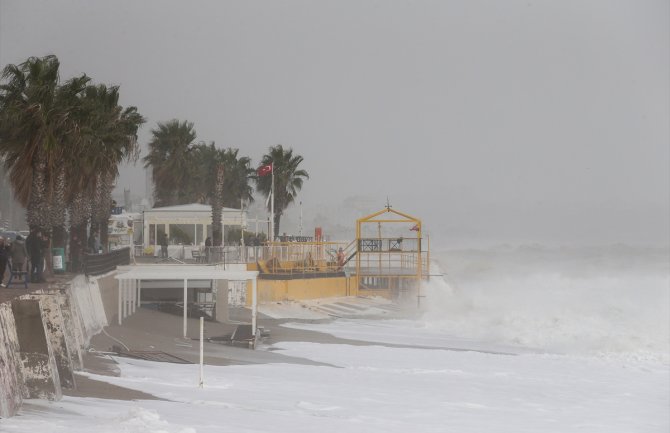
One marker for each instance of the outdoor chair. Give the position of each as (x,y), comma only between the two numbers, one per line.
(198,256)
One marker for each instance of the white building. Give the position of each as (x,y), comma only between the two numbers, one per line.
(187,224)
(124,230)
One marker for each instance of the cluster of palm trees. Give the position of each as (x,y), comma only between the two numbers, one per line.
(185,171)
(62,143)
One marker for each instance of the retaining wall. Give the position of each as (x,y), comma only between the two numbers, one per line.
(42,336)
(300,289)
(11,377)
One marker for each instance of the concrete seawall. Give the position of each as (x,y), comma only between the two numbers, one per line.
(43,333)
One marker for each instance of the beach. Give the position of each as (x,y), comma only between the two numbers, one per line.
(348,374)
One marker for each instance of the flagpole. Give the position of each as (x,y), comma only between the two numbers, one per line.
(272,203)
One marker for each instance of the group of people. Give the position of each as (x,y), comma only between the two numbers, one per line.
(15,255)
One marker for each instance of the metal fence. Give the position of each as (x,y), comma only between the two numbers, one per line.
(377,256)
(289,251)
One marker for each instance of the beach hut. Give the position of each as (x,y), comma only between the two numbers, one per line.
(187,224)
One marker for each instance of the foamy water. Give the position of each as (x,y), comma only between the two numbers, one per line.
(583,304)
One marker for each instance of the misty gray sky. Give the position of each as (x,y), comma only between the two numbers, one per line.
(494,121)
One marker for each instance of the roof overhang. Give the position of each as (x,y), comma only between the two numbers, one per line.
(183,272)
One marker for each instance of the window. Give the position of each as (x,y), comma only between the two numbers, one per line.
(155,233)
(199,239)
(182,234)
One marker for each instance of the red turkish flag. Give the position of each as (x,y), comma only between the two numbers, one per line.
(264,170)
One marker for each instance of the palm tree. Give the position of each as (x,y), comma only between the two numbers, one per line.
(236,186)
(288,179)
(220,177)
(170,161)
(68,96)
(109,134)
(63,143)
(203,159)
(36,131)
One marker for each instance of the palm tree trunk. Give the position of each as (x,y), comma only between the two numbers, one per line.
(276,222)
(80,213)
(58,236)
(77,246)
(37,213)
(96,199)
(80,209)
(104,206)
(57,208)
(104,235)
(217,207)
(95,230)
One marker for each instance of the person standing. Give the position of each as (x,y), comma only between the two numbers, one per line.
(164,246)
(340,259)
(34,249)
(4,256)
(18,255)
(208,248)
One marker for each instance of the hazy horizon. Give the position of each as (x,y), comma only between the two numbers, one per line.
(515,122)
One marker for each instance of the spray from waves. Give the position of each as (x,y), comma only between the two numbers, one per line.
(621,314)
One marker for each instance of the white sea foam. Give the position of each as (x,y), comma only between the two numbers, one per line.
(589,304)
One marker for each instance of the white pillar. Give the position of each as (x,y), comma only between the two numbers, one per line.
(125,298)
(135,303)
(128,299)
(139,293)
(120,302)
(254,306)
(202,357)
(133,294)
(185,304)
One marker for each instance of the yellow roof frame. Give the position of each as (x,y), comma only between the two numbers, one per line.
(371,218)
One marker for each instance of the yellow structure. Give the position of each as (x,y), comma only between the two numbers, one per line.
(303,288)
(386,257)
(390,261)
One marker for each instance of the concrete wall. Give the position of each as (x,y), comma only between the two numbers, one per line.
(55,326)
(43,334)
(11,376)
(86,295)
(38,363)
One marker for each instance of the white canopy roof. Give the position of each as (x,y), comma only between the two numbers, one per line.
(192,207)
(182,272)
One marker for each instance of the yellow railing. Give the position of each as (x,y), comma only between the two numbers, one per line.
(297,251)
